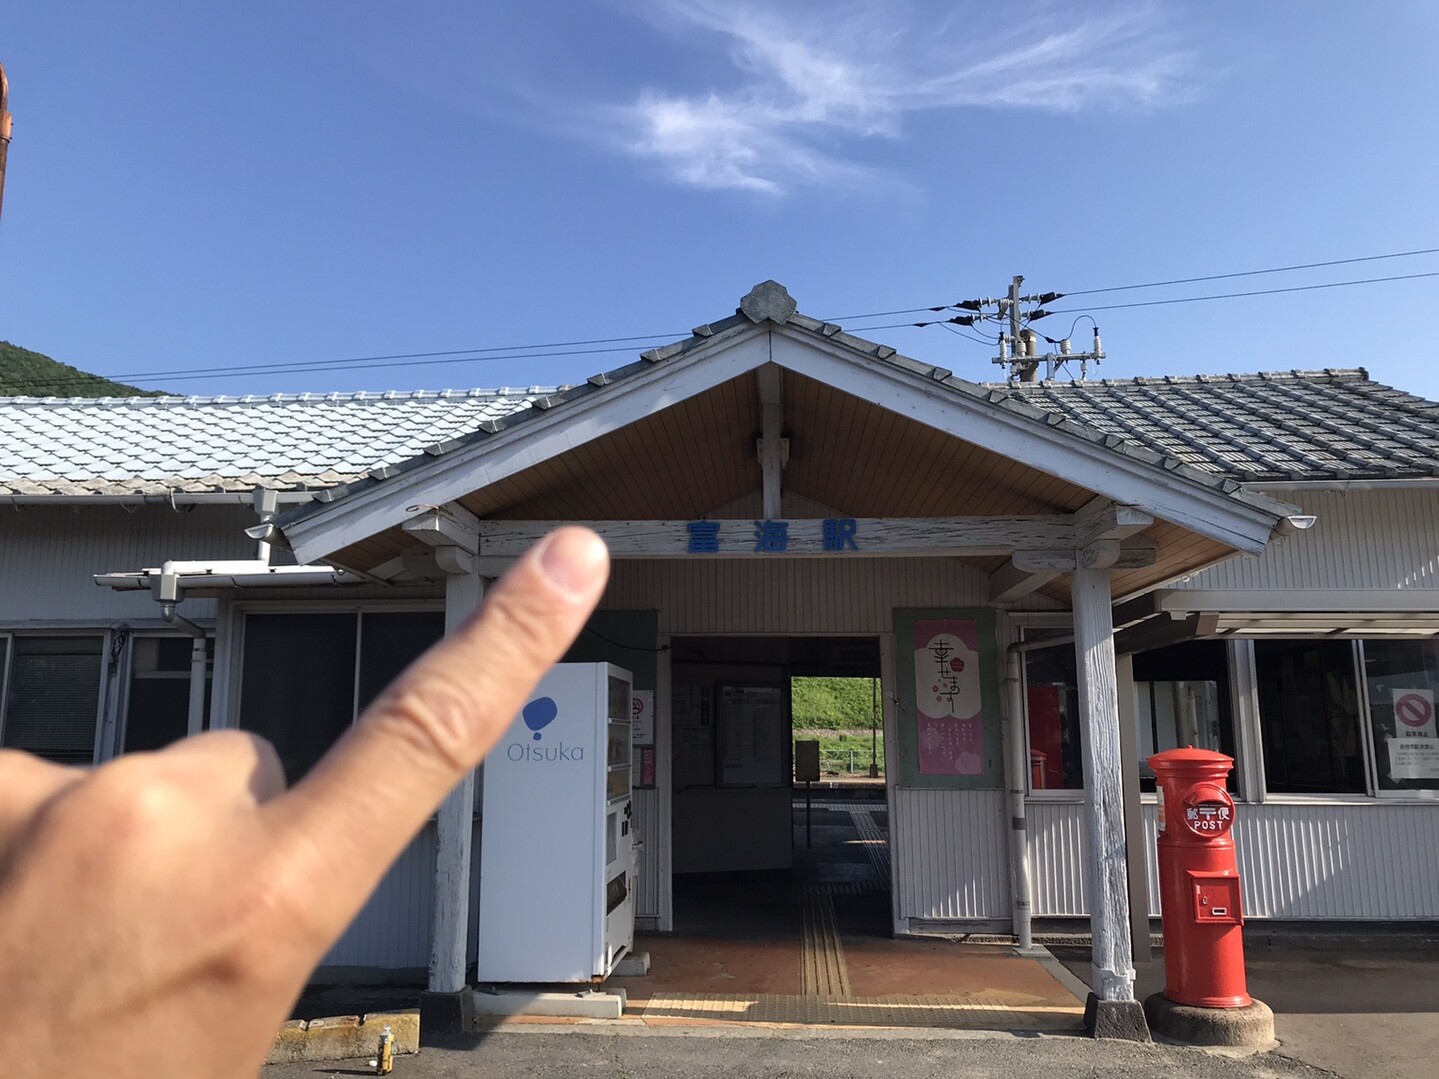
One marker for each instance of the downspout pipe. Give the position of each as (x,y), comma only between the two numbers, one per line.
(1018,784)
(199,653)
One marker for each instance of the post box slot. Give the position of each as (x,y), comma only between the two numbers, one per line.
(1216,899)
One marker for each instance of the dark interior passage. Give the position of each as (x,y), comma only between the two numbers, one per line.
(746,865)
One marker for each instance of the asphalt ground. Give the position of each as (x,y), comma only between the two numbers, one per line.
(1359,1010)
(591,1052)
(1356,1008)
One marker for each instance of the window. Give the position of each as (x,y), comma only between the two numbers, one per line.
(1181,698)
(1309,717)
(1401,678)
(158,710)
(51,698)
(305,677)
(1056,760)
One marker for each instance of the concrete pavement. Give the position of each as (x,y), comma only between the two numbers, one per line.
(625,1053)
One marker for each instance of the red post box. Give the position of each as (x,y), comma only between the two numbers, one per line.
(1199,881)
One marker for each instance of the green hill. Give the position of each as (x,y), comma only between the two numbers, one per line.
(837,703)
(31,374)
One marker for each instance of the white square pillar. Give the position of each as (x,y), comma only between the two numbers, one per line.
(1112,1009)
(449,930)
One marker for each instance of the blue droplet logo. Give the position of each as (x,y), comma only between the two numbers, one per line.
(540,713)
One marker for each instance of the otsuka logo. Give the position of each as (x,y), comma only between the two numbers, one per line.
(538,715)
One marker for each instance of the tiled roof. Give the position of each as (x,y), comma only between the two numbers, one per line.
(1292,425)
(155,445)
(1299,425)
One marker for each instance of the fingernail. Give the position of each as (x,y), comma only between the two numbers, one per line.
(574,560)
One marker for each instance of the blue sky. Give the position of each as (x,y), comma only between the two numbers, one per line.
(207,185)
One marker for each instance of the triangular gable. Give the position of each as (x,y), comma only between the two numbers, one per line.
(767,329)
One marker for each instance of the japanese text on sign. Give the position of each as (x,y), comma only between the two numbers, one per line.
(771,537)
(704,537)
(833,535)
(948,697)
(1208,817)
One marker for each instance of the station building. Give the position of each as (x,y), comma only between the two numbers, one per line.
(1050,580)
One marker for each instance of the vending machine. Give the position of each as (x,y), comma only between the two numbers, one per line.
(557,864)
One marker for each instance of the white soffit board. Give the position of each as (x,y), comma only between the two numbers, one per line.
(1095,467)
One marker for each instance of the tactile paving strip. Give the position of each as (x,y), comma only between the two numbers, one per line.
(822,971)
(970,1013)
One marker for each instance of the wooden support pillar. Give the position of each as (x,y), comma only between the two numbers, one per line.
(1112,1009)
(771,445)
(449,930)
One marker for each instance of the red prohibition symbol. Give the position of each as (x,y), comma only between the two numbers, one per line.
(1413,710)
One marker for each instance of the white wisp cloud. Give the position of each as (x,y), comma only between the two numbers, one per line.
(850,71)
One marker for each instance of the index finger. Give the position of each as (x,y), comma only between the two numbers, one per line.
(364,801)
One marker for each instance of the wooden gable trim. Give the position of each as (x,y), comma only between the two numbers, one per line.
(731,354)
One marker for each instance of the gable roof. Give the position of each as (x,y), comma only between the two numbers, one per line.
(767,330)
(1281,426)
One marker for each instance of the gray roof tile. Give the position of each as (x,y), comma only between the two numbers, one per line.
(1297,425)
(151,445)
(1287,425)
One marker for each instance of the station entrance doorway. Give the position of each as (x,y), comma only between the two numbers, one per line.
(756,856)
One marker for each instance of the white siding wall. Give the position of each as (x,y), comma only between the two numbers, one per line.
(949,847)
(1361,540)
(392,932)
(1055,833)
(843,595)
(48,555)
(950,855)
(1339,861)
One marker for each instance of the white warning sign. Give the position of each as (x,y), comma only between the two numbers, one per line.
(1414,713)
(1413,758)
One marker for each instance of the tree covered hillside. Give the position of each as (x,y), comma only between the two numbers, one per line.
(832,703)
(32,374)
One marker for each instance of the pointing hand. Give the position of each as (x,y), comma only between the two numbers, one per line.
(159,914)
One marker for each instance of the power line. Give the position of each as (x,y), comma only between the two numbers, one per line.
(302,368)
(1173,281)
(1236,295)
(572,348)
(1255,273)
(967,336)
(463,353)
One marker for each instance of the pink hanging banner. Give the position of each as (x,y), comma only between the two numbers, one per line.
(948,698)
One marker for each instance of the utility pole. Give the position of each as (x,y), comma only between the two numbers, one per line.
(1019,349)
(1019,343)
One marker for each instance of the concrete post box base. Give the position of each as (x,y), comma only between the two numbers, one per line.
(1122,1020)
(1251,1027)
(444,1014)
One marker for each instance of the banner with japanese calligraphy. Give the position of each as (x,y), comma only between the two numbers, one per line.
(949,723)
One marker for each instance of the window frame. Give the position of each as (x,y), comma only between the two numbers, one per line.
(1377,792)
(104,683)
(1245,741)
(234,618)
(126,678)
(1041,794)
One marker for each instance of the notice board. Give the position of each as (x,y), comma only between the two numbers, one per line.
(948,697)
(754,736)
